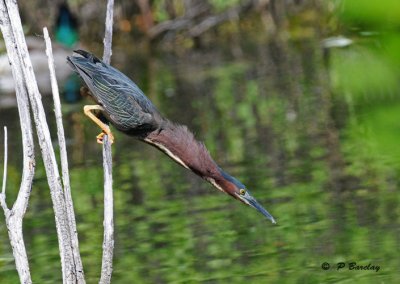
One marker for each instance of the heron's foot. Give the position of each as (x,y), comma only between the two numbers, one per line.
(106,129)
(100,137)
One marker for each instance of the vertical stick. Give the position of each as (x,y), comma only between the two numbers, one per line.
(14,225)
(64,160)
(108,239)
(14,217)
(108,33)
(3,188)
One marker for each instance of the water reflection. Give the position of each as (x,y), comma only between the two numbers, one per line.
(266,116)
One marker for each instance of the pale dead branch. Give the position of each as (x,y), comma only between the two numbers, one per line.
(15,216)
(3,188)
(108,222)
(64,159)
(108,32)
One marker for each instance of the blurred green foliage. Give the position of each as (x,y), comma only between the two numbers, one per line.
(220,5)
(366,75)
(373,15)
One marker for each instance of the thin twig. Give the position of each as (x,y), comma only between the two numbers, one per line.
(64,158)
(108,238)
(3,188)
(108,33)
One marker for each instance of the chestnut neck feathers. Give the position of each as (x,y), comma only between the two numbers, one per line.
(179,144)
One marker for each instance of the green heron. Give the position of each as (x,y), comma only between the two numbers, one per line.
(124,105)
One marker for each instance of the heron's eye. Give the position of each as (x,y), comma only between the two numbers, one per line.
(242,192)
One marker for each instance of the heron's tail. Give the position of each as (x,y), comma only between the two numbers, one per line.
(77,62)
(88,56)
(85,65)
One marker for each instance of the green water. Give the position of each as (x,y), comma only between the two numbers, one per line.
(323,162)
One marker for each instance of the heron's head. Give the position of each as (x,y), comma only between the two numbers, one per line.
(236,189)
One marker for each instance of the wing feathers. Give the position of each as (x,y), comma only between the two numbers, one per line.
(125,104)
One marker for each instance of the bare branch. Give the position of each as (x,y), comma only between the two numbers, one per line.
(3,188)
(15,216)
(64,159)
(197,20)
(108,238)
(108,33)
(214,20)
(23,109)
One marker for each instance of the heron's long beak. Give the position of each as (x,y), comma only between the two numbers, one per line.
(250,200)
(253,203)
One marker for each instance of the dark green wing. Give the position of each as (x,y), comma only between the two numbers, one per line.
(125,104)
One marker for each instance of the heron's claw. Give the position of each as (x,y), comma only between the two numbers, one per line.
(106,129)
(101,135)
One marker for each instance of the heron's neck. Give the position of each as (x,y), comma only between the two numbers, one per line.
(179,144)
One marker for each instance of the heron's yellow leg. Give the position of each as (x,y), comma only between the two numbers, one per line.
(106,129)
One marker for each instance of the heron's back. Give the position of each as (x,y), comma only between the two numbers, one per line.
(126,106)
